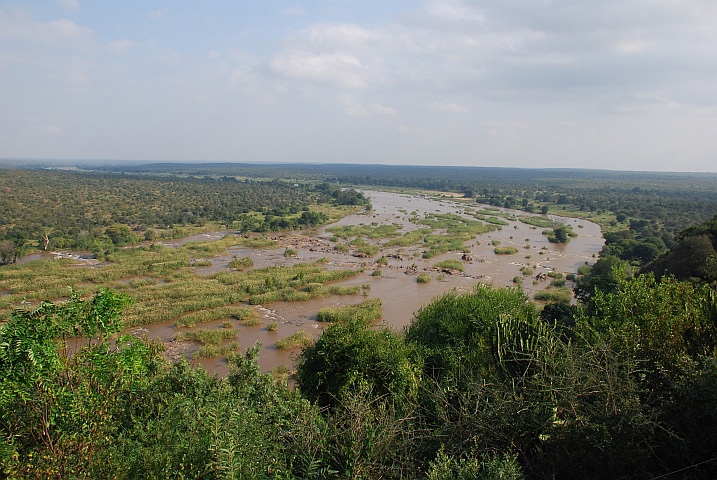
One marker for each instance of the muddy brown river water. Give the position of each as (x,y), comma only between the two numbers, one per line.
(400,293)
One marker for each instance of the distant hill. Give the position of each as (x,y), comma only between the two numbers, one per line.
(693,257)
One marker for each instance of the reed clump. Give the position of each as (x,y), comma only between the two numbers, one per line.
(366,311)
(298,339)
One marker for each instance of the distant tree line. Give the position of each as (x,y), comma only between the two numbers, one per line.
(647,208)
(84,210)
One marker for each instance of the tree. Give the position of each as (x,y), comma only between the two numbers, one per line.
(561,234)
(56,408)
(350,355)
(8,251)
(604,276)
(119,234)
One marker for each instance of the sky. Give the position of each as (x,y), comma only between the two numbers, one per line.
(610,84)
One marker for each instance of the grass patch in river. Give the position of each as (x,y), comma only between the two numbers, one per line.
(423,278)
(542,222)
(299,339)
(452,264)
(201,316)
(368,250)
(458,230)
(212,351)
(207,336)
(407,239)
(374,232)
(366,311)
(240,264)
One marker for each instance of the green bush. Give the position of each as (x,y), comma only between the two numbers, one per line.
(240,263)
(423,278)
(563,295)
(298,339)
(457,330)
(348,355)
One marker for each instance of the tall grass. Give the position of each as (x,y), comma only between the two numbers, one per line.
(374,232)
(299,339)
(366,311)
(452,264)
(542,222)
(227,311)
(561,295)
(407,239)
(183,296)
(369,250)
(207,336)
(211,351)
(240,264)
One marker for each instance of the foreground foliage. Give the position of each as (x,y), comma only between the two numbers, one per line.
(478,386)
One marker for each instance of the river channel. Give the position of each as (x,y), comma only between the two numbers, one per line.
(400,293)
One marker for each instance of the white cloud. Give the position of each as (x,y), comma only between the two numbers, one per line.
(353,107)
(356,110)
(338,69)
(170,57)
(448,107)
(403,128)
(73,74)
(454,11)
(158,14)
(69,4)
(120,47)
(381,110)
(650,105)
(213,54)
(629,47)
(19,28)
(341,36)
(52,129)
(294,11)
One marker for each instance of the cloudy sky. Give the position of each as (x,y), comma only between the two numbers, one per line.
(616,84)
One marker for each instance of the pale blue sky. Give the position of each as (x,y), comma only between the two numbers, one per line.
(617,84)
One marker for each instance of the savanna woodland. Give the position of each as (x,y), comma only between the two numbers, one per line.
(617,380)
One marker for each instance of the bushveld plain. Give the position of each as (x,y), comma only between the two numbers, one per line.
(408,308)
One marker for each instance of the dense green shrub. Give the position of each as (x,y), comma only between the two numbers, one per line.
(455,330)
(348,355)
(423,278)
(479,387)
